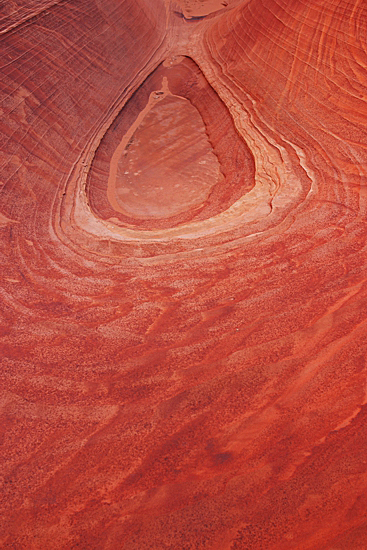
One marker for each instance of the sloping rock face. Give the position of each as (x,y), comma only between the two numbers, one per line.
(183,275)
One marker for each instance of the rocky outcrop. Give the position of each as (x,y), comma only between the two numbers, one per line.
(183,275)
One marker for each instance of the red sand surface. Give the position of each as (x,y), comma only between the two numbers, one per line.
(183,359)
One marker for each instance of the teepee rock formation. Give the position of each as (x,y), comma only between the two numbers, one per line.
(183,318)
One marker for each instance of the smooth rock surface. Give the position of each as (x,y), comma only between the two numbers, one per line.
(184,368)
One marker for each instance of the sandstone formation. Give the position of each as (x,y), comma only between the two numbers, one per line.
(183,275)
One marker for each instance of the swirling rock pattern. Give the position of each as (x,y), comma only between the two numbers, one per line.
(184,362)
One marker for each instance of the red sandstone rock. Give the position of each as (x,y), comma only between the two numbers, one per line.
(190,373)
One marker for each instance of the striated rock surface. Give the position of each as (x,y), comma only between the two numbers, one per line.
(183,275)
